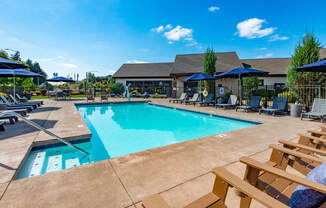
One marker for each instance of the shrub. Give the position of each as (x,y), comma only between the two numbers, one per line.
(117,88)
(75,93)
(37,92)
(44,92)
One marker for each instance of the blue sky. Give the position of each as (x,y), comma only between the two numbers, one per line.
(75,36)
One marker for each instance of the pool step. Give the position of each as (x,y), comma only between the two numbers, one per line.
(70,163)
(37,164)
(54,163)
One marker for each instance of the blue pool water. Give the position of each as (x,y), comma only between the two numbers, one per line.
(120,129)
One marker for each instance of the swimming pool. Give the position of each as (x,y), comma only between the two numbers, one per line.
(123,128)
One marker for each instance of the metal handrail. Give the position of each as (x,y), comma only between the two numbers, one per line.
(32,123)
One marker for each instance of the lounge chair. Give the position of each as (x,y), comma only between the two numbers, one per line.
(318,110)
(232,102)
(90,97)
(254,103)
(2,126)
(25,100)
(104,97)
(12,119)
(144,95)
(4,107)
(193,100)
(26,103)
(208,100)
(279,105)
(182,98)
(16,106)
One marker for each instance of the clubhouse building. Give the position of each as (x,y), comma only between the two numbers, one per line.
(166,78)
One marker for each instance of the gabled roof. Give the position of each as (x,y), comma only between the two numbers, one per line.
(193,63)
(275,66)
(144,70)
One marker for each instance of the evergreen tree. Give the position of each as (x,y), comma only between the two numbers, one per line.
(4,54)
(306,52)
(209,68)
(16,56)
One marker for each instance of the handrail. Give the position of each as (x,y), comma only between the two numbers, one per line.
(32,123)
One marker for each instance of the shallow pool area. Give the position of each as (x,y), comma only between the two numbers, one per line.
(123,128)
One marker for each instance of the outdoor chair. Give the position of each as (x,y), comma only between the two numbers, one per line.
(26,103)
(193,100)
(90,97)
(16,106)
(279,105)
(232,102)
(4,108)
(254,103)
(183,97)
(12,119)
(21,99)
(2,126)
(34,105)
(104,97)
(318,110)
(208,100)
(144,95)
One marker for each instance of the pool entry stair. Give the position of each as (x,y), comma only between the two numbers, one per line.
(46,131)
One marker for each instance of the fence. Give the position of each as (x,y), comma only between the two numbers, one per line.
(10,89)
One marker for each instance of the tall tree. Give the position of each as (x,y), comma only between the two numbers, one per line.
(209,67)
(306,52)
(4,54)
(16,56)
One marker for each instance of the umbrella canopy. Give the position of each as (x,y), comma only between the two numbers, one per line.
(319,66)
(17,73)
(8,64)
(199,76)
(60,79)
(241,72)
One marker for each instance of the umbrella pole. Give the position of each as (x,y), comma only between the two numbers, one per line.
(14,85)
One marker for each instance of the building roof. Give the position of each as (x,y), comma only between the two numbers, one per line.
(144,70)
(193,63)
(275,66)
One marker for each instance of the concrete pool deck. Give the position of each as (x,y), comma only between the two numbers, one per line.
(179,172)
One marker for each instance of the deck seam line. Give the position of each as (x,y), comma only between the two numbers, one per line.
(115,172)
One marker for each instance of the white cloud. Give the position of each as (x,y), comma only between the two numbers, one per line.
(263,49)
(277,37)
(67,65)
(178,33)
(158,29)
(136,62)
(169,26)
(252,28)
(213,8)
(112,72)
(268,55)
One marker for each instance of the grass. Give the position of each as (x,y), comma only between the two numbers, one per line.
(46,97)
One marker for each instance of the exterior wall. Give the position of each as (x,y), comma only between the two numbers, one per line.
(273,80)
(123,81)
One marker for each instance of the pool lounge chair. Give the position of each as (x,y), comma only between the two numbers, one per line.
(26,103)
(12,119)
(104,97)
(90,97)
(232,102)
(208,100)
(318,110)
(24,100)
(279,105)
(193,100)
(182,98)
(34,106)
(16,106)
(2,126)
(254,103)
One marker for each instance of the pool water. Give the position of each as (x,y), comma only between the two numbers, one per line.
(123,128)
(120,129)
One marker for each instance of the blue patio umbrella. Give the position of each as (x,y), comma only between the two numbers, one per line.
(319,66)
(17,73)
(8,64)
(60,79)
(198,77)
(239,73)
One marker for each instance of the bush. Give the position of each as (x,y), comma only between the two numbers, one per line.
(117,88)
(265,93)
(44,92)
(75,93)
(37,92)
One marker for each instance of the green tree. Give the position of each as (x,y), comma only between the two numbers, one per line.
(306,52)
(35,67)
(4,54)
(209,68)
(16,56)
